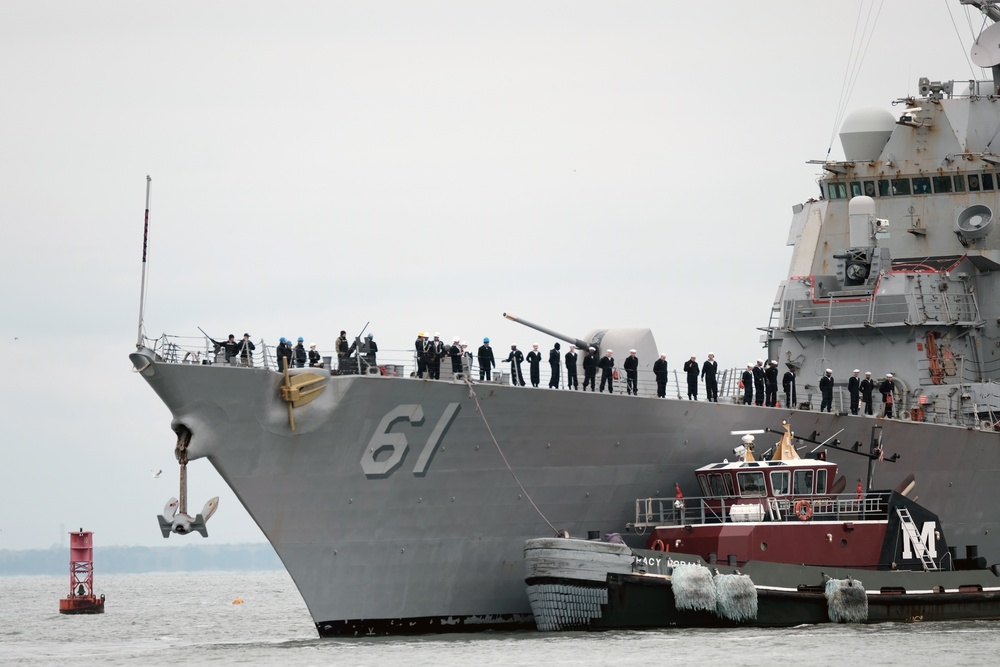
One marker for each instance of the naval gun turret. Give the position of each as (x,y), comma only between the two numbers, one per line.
(620,341)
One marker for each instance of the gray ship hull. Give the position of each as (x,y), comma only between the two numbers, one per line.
(402,505)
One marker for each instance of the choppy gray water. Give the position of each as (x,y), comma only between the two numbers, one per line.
(172,619)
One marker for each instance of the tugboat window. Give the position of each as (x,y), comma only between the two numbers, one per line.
(959,183)
(779,483)
(751,484)
(942,184)
(883,188)
(820,481)
(718,486)
(921,185)
(803,485)
(900,186)
(869,188)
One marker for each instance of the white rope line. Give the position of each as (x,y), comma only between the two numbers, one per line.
(479,409)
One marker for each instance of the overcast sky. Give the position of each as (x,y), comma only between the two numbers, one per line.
(415,165)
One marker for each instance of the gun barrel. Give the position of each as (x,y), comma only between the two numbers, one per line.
(555,334)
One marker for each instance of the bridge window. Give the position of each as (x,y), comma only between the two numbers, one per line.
(869,188)
(779,483)
(959,182)
(803,485)
(883,188)
(942,184)
(921,185)
(855,188)
(751,484)
(979,182)
(820,481)
(900,186)
(837,190)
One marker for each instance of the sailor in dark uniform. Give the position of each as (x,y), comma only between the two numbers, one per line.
(369,348)
(246,351)
(300,353)
(708,371)
(231,347)
(284,353)
(788,384)
(854,390)
(455,352)
(886,390)
(534,360)
(434,351)
(758,383)
(554,361)
(867,386)
(315,360)
(607,366)
(515,358)
(692,370)
(826,391)
(343,351)
(747,381)
(486,361)
(660,371)
(631,366)
(771,384)
(590,370)
(571,379)
(419,346)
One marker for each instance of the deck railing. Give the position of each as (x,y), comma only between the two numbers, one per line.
(652,512)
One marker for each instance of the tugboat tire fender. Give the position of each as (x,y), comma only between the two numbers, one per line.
(803,510)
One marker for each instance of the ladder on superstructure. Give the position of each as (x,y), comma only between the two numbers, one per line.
(910,528)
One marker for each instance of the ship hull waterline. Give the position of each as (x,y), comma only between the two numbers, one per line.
(394,511)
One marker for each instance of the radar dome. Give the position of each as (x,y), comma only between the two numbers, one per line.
(865,133)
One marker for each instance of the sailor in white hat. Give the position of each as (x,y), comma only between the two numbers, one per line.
(631,367)
(854,390)
(826,391)
(867,387)
(590,369)
(534,359)
(886,390)
(607,366)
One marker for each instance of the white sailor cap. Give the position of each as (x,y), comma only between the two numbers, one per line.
(857,370)
(456,339)
(312,344)
(760,361)
(829,370)
(868,372)
(888,375)
(609,350)
(437,334)
(774,362)
(631,351)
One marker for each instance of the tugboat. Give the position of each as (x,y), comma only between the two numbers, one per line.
(769,543)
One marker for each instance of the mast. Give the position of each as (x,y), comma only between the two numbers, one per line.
(142,284)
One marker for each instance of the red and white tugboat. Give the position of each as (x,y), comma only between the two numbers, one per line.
(770,542)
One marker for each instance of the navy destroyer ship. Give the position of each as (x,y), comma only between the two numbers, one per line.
(401,504)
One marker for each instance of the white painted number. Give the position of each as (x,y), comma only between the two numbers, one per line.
(395,444)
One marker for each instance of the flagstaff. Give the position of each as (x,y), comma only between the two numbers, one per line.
(142,285)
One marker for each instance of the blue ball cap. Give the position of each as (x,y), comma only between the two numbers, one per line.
(282,340)
(370,336)
(301,339)
(486,340)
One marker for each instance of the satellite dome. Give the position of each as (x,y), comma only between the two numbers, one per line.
(865,133)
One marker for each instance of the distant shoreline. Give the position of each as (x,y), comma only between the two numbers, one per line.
(126,560)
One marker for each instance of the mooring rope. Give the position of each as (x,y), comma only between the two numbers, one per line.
(479,409)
